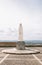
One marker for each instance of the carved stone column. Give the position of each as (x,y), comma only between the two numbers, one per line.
(20,44)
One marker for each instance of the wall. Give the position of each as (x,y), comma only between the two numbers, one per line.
(7,43)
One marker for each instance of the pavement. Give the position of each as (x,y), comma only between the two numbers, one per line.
(11,59)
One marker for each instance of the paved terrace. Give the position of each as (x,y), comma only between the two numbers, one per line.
(9,59)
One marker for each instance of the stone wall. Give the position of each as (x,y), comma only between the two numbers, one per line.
(7,44)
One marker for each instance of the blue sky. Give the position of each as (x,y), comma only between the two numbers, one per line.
(27,12)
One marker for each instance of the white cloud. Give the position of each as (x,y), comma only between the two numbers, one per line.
(12,12)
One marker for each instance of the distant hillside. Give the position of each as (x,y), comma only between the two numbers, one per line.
(33,41)
(26,41)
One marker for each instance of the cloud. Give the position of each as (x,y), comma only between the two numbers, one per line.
(29,12)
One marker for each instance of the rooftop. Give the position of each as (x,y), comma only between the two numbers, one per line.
(10,59)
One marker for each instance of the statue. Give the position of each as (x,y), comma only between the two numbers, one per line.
(20,44)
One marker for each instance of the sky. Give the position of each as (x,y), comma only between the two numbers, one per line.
(27,12)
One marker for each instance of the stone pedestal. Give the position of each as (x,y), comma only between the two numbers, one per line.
(20,45)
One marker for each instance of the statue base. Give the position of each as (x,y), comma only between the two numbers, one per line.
(15,51)
(20,45)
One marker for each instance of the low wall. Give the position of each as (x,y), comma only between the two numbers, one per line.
(13,44)
(7,44)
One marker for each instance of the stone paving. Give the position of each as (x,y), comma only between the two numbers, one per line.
(11,59)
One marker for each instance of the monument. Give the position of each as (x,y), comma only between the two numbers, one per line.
(20,45)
